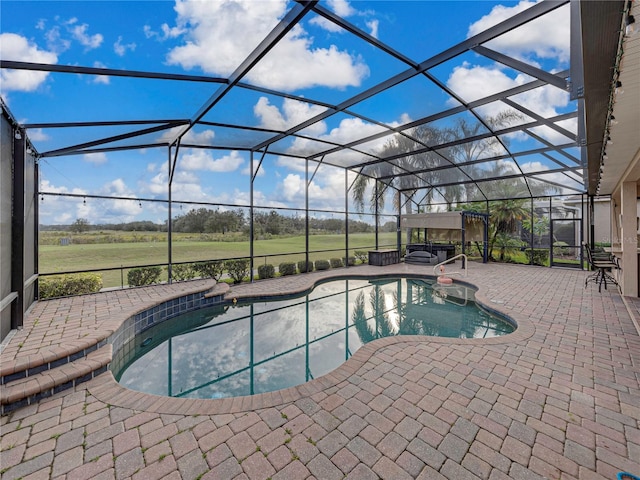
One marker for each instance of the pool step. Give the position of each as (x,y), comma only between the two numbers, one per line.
(24,388)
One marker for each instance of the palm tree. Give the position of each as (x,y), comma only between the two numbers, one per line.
(468,152)
(504,218)
(430,163)
(397,174)
(383,326)
(504,213)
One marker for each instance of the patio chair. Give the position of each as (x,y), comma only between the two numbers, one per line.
(603,265)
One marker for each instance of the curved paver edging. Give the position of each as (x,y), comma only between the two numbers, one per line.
(74,349)
(106,389)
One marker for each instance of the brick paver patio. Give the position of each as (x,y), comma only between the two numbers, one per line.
(559,398)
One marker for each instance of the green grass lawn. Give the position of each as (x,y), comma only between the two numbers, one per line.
(74,257)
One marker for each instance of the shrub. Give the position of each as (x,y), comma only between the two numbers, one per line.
(287,268)
(237,269)
(537,256)
(72,284)
(184,271)
(362,255)
(351,261)
(213,269)
(143,276)
(322,265)
(304,266)
(560,249)
(336,263)
(266,271)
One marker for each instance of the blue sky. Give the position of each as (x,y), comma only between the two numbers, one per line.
(211,38)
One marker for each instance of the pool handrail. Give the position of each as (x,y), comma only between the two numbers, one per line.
(466,263)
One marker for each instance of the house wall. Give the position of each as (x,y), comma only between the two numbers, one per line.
(18,235)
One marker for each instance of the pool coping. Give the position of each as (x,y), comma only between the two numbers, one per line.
(110,391)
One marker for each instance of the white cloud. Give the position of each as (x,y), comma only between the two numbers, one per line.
(325,24)
(57,209)
(242,197)
(95,158)
(327,188)
(65,210)
(546,37)
(326,191)
(79,32)
(474,82)
(171,134)
(344,9)
(117,210)
(556,177)
(167,32)
(348,130)
(341,8)
(60,37)
(103,79)
(293,186)
(554,136)
(63,218)
(37,135)
(186,185)
(293,63)
(293,113)
(373,27)
(261,171)
(291,163)
(16,47)
(204,137)
(55,41)
(149,32)
(118,187)
(48,187)
(200,159)
(121,48)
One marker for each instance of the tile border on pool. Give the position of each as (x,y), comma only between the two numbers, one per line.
(123,338)
(106,389)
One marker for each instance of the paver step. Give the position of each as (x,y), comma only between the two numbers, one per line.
(30,389)
(50,358)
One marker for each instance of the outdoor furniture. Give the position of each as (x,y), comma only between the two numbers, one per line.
(602,264)
(443,230)
(381,258)
(421,257)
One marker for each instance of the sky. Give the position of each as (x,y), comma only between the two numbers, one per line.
(316,60)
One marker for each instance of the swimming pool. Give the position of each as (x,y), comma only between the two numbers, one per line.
(249,348)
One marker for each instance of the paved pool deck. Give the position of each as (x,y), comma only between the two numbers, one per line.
(559,398)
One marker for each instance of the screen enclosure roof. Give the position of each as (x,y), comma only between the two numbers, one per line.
(420,96)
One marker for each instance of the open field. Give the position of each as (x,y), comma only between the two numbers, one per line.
(120,255)
(123,250)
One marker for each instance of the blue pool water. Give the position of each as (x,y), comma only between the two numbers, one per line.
(250,348)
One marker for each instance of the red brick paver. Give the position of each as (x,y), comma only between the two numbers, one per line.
(559,398)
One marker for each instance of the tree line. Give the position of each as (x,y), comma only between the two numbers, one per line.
(205,220)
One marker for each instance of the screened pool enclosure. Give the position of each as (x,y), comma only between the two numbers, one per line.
(311,124)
